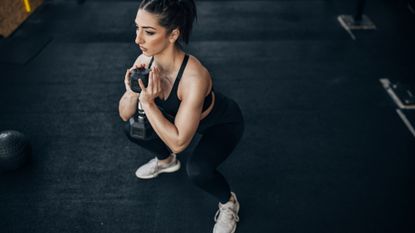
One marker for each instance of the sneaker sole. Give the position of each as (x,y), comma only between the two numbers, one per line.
(165,170)
(233,230)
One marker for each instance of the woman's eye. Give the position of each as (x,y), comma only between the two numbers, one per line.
(137,28)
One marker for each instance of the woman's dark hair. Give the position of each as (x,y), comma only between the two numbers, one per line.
(173,14)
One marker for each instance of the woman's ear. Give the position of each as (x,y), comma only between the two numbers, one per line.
(174,35)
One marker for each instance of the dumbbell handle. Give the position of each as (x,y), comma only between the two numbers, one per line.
(141,113)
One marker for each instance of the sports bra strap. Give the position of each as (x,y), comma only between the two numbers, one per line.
(151,62)
(182,67)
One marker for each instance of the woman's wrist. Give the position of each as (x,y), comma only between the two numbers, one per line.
(133,94)
(147,103)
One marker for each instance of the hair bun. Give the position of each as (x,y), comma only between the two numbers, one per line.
(173,14)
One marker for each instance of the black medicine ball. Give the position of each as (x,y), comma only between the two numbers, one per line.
(15,150)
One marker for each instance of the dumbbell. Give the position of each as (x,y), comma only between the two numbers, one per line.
(140,127)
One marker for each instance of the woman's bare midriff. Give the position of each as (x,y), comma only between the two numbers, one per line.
(205,113)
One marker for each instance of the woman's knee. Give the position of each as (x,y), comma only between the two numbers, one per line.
(198,172)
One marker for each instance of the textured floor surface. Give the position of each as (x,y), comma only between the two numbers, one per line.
(323,150)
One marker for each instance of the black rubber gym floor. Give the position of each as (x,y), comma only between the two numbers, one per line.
(323,150)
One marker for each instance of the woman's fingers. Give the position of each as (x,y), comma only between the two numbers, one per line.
(158,81)
(153,88)
(127,74)
(141,84)
(156,85)
(154,81)
(127,80)
(150,81)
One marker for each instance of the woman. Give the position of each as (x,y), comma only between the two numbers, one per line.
(181,87)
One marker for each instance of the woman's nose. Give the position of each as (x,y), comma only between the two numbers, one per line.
(138,38)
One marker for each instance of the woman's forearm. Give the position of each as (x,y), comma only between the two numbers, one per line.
(166,130)
(128,105)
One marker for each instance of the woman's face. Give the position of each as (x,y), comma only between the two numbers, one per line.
(150,36)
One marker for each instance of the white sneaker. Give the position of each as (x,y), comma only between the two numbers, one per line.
(152,168)
(227,217)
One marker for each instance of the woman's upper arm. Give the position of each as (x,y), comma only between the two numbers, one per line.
(191,106)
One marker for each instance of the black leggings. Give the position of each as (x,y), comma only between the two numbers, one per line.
(216,144)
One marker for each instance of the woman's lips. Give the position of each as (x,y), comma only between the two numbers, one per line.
(143,49)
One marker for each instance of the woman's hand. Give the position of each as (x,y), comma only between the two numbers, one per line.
(127,79)
(153,89)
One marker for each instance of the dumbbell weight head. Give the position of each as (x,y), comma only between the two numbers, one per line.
(141,129)
(136,74)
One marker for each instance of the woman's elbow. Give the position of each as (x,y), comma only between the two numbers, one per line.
(125,114)
(177,150)
(179,147)
(124,117)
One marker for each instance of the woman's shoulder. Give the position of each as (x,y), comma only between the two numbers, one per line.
(142,59)
(196,74)
(196,68)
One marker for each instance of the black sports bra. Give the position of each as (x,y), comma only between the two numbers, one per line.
(172,103)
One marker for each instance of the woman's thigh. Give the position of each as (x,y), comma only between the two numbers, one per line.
(216,144)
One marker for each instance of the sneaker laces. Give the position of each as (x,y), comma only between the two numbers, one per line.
(158,166)
(225,214)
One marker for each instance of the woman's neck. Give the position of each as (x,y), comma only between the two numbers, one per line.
(169,59)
